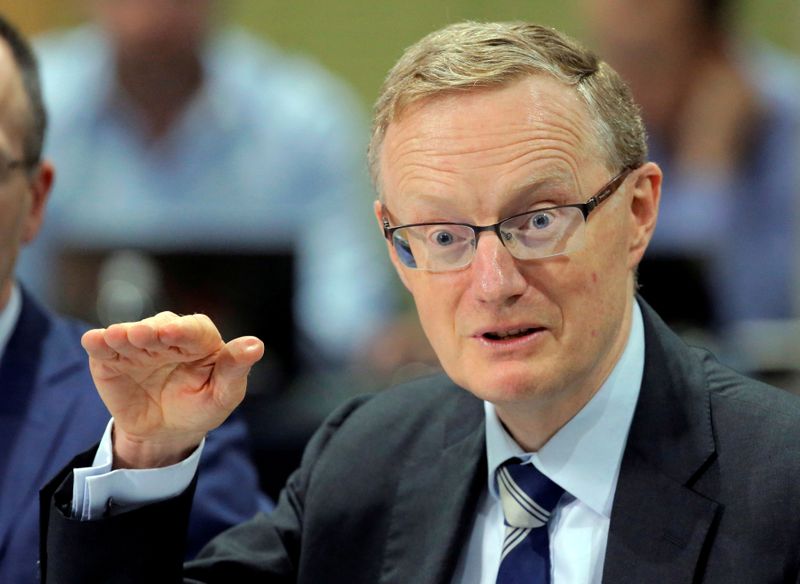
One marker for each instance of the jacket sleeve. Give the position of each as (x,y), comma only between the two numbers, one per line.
(147,544)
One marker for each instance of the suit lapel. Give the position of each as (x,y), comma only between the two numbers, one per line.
(437,499)
(30,420)
(658,523)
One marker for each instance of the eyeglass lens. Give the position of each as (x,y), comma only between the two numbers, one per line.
(538,234)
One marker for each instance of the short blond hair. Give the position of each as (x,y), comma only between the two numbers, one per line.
(470,55)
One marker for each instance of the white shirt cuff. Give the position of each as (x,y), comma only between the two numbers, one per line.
(95,488)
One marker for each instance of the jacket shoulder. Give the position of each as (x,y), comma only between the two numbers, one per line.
(400,423)
(415,409)
(753,415)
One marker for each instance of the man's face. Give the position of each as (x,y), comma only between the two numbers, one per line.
(479,157)
(22,197)
(654,50)
(155,31)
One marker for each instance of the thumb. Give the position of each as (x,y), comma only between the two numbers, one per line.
(233,365)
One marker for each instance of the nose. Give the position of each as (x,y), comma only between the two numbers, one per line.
(496,275)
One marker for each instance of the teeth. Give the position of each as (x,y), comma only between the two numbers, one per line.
(510,333)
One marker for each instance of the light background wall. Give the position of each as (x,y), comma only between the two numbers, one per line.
(361,39)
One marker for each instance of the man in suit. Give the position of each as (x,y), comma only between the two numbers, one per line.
(516,201)
(49,407)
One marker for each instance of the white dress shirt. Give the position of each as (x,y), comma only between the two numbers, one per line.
(96,488)
(583,458)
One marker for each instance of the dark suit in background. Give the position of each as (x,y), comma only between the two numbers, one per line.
(49,409)
(388,489)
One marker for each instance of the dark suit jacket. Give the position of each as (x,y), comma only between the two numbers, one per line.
(49,409)
(709,491)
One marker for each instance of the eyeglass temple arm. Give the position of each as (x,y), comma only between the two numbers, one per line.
(386,233)
(26,164)
(610,189)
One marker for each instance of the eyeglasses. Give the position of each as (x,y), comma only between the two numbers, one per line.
(537,234)
(8,166)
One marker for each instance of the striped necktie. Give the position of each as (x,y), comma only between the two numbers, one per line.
(528,498)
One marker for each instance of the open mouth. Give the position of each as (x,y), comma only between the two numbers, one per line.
(512,334)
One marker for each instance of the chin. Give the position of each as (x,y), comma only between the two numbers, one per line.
(507,384)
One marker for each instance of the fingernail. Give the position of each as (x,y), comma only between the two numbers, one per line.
(251,345)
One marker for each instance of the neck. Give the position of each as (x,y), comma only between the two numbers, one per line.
(159,91)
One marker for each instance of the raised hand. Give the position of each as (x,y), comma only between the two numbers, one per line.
(167,380)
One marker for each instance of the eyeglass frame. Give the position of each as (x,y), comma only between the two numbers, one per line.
(585,208)
(19,163)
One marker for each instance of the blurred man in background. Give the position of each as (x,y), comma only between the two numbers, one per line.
(48,405)
(175,135)
(724,122)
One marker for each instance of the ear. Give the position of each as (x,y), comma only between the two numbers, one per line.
(398,267)
(39,184)
(644,210)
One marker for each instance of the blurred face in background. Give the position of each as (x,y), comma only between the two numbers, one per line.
(155,31)
(22,192)
(653,46)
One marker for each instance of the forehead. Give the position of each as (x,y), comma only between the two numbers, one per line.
(140,17)
(13,104)
(488,139)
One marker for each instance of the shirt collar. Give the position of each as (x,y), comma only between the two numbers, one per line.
(8,318)
(584,456)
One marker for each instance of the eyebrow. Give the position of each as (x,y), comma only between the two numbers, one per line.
(524,192)
(537,184)
(434,205)
(524,188)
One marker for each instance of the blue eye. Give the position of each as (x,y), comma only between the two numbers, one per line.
(443,238)
(541,220)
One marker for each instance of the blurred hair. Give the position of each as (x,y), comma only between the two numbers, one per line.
(472,55)
(715,13)
(29,71)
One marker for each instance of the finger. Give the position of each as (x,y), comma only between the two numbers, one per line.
(232,367)
(192,335)
(162,318)
(144,334)
(116,337)
(96,347)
